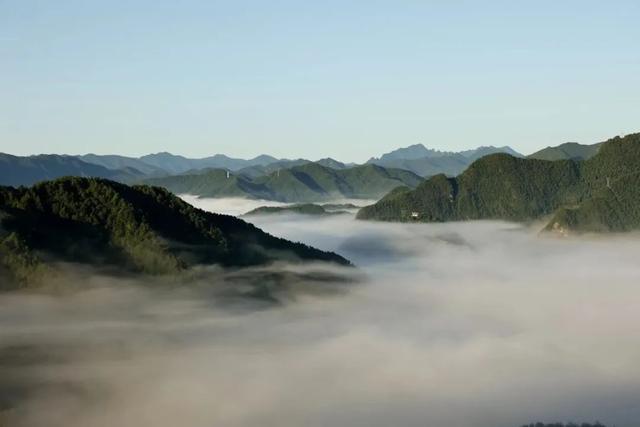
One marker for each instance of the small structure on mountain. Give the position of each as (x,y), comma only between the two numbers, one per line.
(415,215)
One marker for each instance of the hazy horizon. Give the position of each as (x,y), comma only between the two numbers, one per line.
(312,80)
(312,159)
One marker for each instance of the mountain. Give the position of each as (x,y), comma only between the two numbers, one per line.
(212,183)
(301,209)
(260,170)
(566,151)
(137,229)
(598,194)
(427,162)
(122,162)
(16,170)
(479,152)
(450,165)
(615,208)
(331,163)
(178,164)
(416,151)
(161,164)
(307,182)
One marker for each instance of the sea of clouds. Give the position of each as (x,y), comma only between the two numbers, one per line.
(478,324)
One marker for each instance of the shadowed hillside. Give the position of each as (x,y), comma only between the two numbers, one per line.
(139,229)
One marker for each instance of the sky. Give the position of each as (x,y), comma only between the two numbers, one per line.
(349,80)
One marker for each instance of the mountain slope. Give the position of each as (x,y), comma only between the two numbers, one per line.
(567,151)
(141,228)
(121,162)
(16,170)
(331,163)
(303,183)
(595,194)
(611,209)
(212,183)
(261,170)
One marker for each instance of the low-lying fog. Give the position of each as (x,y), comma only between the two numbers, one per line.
(481,324)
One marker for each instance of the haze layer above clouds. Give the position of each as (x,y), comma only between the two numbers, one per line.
(482,324)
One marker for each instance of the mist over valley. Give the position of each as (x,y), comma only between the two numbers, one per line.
(477,324)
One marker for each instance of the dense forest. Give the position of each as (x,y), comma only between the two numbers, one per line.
(309,182)
(139,229)
(597,194)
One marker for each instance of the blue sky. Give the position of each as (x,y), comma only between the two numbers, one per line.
(347,79)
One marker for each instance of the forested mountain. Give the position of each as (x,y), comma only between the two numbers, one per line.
(598,194)
(333,163)
(567,151)
(304,183)
(16,170)
(427,162)
(138,229)
(261,170)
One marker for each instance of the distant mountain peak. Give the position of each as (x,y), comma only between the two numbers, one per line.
(264,158)
(427,161)
(410,152)
(331,163)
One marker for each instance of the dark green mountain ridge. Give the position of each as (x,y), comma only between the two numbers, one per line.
(309,182)
(597,194)
(139,229)
(567,151)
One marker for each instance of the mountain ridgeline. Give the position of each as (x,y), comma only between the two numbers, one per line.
(308,182)
(598,194)
(428,162)
(567,151)
(28,170)
(139,229)
(16,170)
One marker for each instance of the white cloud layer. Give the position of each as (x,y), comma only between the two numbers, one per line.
(482,324)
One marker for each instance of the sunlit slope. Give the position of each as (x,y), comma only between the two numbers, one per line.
(308,182)
(504,187)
